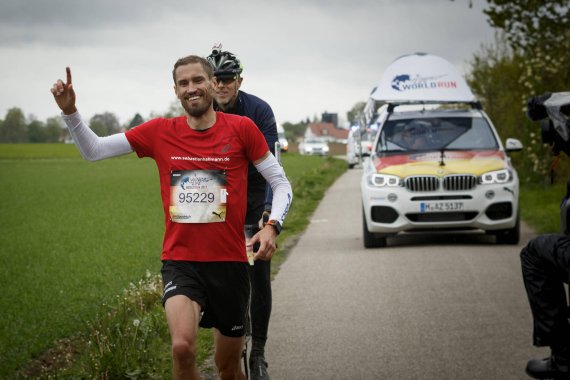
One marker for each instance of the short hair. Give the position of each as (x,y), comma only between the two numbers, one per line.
(190,59)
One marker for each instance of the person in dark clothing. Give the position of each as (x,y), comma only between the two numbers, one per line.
(230,99)
(545,268)
(546,259)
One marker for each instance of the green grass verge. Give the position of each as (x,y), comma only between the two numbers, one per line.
(540,206)
(74,234)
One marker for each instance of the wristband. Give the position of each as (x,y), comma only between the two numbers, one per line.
(275,224)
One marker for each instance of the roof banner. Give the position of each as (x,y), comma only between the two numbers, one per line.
(422,78)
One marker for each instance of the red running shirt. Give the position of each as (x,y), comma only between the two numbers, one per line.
(224,149)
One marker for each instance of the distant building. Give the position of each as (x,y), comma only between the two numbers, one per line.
(326,131)
(329,118)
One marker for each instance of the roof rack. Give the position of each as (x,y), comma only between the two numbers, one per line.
(391,105)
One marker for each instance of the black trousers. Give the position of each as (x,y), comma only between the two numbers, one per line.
(260,301)
(545,268)
(260,276)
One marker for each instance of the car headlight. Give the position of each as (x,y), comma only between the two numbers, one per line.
(383,180)
(497,176)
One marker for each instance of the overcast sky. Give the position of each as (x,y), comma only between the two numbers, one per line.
(304,57)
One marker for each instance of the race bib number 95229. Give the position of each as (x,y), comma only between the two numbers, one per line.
(198,196)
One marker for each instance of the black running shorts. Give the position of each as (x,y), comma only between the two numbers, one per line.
(222,289)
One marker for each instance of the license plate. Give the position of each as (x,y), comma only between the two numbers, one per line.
(441,206)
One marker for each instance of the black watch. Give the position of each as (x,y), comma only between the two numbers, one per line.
(275,224)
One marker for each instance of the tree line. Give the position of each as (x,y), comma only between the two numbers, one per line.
(15,128)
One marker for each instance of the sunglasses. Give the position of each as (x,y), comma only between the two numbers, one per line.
(226,80)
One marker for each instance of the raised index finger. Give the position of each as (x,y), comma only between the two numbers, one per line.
(68,72)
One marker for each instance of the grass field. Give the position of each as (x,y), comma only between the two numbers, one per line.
(74,234)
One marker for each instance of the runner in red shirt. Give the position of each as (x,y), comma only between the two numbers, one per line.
(202,159)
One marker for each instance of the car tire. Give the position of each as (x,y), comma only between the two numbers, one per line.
(509,236)
(371,240)
(351,166)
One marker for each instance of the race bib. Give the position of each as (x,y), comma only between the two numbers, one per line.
(198,196)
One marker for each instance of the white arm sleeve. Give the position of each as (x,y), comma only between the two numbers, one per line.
(91,146)
(282,191)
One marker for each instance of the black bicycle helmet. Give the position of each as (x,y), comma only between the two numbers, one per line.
(224,63)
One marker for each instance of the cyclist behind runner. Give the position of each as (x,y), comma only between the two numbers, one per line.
(230,99)
(204,156)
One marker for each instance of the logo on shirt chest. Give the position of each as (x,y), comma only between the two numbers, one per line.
(225,148)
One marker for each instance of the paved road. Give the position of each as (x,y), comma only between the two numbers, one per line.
(435,307)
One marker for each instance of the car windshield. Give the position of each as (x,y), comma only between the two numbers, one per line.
(314,141)
(449,133)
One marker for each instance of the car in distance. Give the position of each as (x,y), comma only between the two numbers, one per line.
(358,145)
(283,143)
(314,147)
(438,163)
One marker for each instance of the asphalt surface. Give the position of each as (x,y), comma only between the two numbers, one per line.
(425,307)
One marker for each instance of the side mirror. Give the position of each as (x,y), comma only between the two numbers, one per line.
(513,145)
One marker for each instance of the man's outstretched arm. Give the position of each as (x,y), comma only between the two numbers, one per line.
(91,146)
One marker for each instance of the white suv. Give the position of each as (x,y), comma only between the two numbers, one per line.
(438,168)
